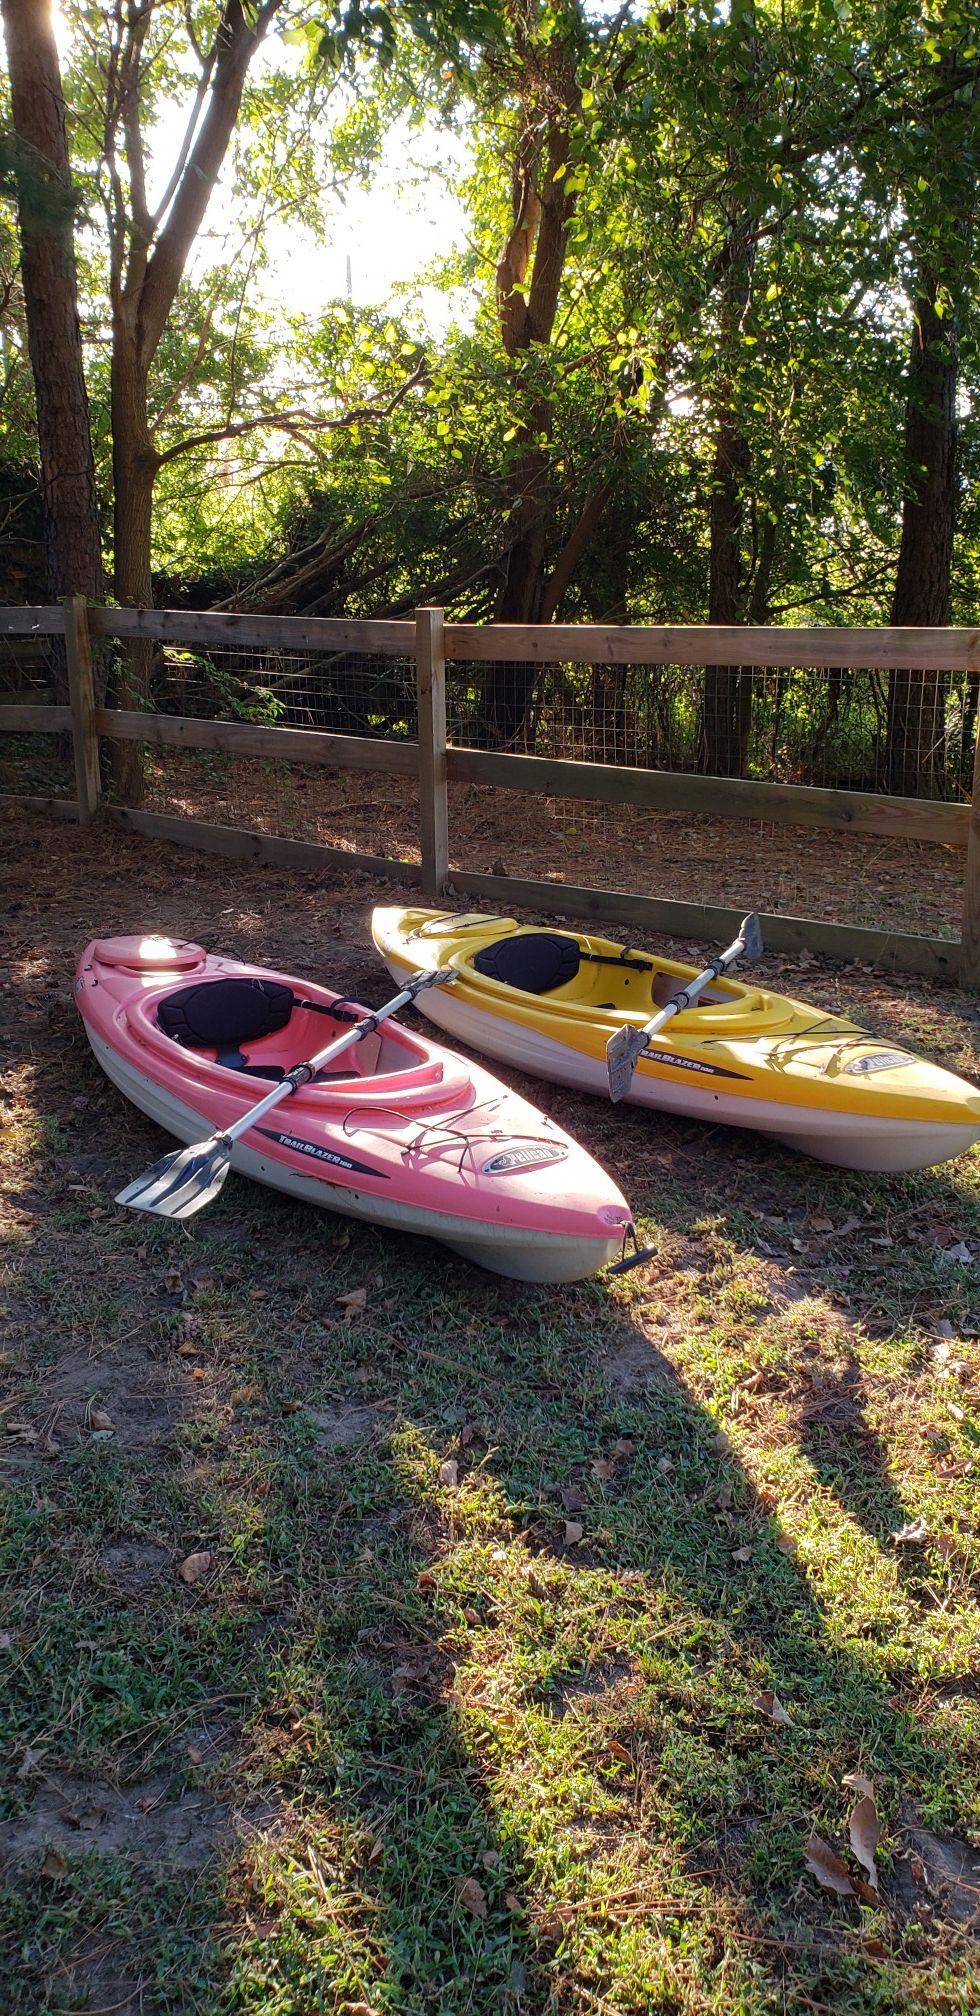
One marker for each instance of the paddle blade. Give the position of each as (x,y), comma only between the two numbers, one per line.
(183,1183)
(750,932)
(623,1052)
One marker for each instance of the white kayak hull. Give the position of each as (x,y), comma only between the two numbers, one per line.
(523,1254)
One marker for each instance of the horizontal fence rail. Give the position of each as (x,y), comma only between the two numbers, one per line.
(297,745)
(946,650)
(426,754)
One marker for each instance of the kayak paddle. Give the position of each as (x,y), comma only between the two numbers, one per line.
(624,1050)
(184,1182)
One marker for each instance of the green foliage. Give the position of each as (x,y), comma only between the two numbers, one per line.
(755,196)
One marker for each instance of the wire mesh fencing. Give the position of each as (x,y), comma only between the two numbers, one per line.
(350,693)
(853,730)
(909,732)
(340,692)
(33,765)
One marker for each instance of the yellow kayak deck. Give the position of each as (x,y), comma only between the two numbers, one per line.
(550,1000)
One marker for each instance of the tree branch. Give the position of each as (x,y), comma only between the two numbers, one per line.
(236,42)
(296,420)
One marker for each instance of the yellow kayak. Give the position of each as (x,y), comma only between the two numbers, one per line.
(548,1002)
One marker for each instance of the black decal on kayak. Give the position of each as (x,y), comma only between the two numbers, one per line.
(691,1064)
(535,1156)
(323,1154)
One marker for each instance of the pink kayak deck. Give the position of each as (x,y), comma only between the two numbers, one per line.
(402,1115)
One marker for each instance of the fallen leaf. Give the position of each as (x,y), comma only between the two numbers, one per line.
(827,1867)
(89,1817)
(624,1447)
(961,1254)
(466,1434)
(354,1302)
(742,1554)
(472,1896)
(534,1582)
(55,1864)
(449,1471)
(573,1532)
(572,1500)
(914,1534)
(865,1827)
(721,1442)
(193,1567)
(511,1900)
(770,1704)
(603,1468)
(490,1858)
(619,1751)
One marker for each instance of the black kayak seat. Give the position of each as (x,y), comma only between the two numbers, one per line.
(536,962)
(221,1014)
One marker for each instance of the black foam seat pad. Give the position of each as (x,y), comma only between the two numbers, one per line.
(222,1014)
(536,962)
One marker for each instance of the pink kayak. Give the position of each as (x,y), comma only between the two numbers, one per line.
(405,1134)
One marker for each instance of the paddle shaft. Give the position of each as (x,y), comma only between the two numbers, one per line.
(689,994)
(302,1073)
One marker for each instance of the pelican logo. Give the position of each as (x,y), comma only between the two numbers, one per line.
(875,1060)
(536,1156)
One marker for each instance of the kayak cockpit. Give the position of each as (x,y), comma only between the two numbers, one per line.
(253,1030)
(582,976)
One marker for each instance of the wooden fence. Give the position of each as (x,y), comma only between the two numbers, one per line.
(429,641)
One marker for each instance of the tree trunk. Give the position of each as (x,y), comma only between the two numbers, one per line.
(73,547)
(529,275)
(916,741)
(508,686)
(134,469)
(727,711)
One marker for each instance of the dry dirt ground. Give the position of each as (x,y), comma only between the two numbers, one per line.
(296,1718)
(746,864)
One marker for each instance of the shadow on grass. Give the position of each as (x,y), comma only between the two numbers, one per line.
(391,1703)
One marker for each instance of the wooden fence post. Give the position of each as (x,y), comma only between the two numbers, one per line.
(970,927)
(430,686)
(81,699)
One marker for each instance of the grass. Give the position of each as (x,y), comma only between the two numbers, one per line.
(495,1745)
